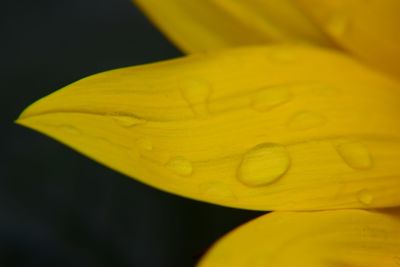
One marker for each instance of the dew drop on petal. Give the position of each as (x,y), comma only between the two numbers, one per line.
(263,164)
(365,197)
(271,97)
(127,121)
(144,143)
(196,93)
(355,154)
(305,120)
(180,166)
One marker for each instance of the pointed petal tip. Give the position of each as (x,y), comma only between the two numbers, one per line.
(24,115)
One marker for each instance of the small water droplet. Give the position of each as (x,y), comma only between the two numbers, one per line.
(355,154)
(180,166)
(305,120)
(196,93)
(338,23)
(365,197)
(271,97)
(144,143)
(127,121)
(263,164)
(218,190)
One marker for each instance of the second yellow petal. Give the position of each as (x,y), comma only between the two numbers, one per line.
(211,24)
(368,29)
(313,239)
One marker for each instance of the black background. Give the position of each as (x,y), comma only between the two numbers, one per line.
(58,208)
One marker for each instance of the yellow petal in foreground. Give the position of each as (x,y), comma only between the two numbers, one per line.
(313,239)
(266,128)
(213,24)
(369,29)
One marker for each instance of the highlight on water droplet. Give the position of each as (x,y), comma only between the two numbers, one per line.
(217,190)
(144,143)
(365,197)
(263,164)
(180,165)
(196,92)
(305,120)
(355,154)
(271,97)
(127,120)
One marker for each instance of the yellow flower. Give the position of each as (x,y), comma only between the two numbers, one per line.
(285,105)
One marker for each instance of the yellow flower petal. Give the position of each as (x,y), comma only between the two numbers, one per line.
(213,24)
(278,127)
(312,239)
(369,29)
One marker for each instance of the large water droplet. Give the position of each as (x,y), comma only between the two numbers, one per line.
(196,93)
(271,97)
(355,154)
(218,191)
(180,166)
(127,121)
(144,143)
(305,120)
(263,164)
(365,197)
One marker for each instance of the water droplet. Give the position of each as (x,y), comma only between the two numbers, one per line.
(263,164)
(144,143)
(355,154)
(365,197)
(196,93)
(338,24)
(305,120)
(180,166)
(271,97)
(218,191)
(127,121)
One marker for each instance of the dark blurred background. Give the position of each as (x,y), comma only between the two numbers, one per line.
(58,208)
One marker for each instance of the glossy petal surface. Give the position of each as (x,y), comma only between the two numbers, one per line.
(314,239)
(213,24)
(269,128)
(368,29)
